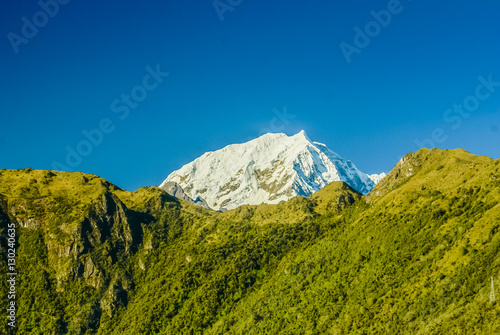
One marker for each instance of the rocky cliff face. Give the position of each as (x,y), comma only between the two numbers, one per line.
(110,220)
(177,191)
(86,238)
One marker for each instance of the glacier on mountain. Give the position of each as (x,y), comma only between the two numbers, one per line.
(268,169)
(376,178)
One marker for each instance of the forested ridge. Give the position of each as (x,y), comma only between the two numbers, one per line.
(414,256)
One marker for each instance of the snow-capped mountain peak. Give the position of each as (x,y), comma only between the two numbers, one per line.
(268,169)
(376,178)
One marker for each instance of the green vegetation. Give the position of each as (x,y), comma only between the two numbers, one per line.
(415,256)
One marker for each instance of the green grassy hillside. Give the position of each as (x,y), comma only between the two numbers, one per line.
(415,256)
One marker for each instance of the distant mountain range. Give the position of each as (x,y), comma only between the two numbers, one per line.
(269,169)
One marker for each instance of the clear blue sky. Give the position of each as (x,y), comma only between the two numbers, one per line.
(226,78)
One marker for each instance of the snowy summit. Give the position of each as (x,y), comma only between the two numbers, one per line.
(269,169)
(376,178)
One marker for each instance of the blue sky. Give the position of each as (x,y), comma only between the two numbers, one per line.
(267,66)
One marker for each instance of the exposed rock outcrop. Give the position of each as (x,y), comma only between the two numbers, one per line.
(177,191)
